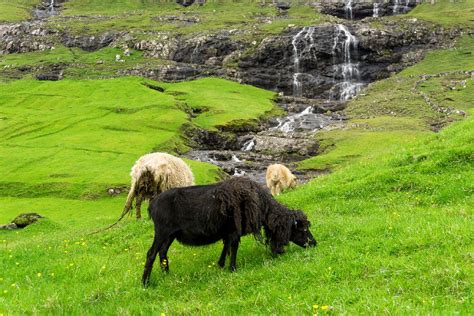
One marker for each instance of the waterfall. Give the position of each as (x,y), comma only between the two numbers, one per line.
(305,36)
(396,7)
(376,10)
(351,84)
(51,6)
(348,9)
(248,145)
(406,8)
(290,123)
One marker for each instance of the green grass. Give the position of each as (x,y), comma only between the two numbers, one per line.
(57,137)
(393,232)
(14,11)
(77,63)
(447,12)
(393,219)
(143,16)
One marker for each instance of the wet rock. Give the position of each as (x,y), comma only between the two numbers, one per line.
(280,145)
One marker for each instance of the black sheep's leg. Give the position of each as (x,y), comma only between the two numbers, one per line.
(150,259)
(225,252)
(165,265)
(233,253)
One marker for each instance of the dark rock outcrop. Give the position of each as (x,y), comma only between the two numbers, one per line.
(88,43)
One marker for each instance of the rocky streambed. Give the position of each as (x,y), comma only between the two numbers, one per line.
(286,139)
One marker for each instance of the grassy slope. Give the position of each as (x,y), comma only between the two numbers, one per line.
(101,125)
(393,225)
(13,11)
(447,12)
(246,15)
(380,120)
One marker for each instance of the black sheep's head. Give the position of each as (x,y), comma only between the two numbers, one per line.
(300,233)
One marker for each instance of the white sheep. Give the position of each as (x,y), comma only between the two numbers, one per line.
(155,173)
(279,178)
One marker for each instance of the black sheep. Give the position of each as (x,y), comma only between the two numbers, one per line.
(202,215)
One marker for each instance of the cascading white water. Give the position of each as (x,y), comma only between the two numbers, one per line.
(376,10)
(351,84)
(235,159)
(51,6)
(406,8)
(348,9)
(248,145)
(305,39)
(288,124)
(396,6)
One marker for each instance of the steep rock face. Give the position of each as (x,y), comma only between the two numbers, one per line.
(321,55)
(312,58)
(201,49)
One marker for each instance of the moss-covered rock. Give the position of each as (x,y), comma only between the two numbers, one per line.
(23,220)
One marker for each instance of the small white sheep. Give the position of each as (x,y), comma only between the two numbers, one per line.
(279,178)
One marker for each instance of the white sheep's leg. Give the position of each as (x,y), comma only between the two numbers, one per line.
(273,190)
(138,205)
(278,189)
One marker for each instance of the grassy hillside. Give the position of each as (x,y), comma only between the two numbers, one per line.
(58,138)
(147,16)
(393,219)
(18,10)
(447,12)
(380,120)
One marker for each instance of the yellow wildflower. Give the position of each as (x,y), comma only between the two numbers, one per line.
(315,306)
(162,314)
(17,263)
(39,274)
(324,307)
(52,274)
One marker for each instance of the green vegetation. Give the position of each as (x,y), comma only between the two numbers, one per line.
(246,15)
(447,12)
(13,11)
(78,64)
(381,120)
(393,219)
(57,138)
